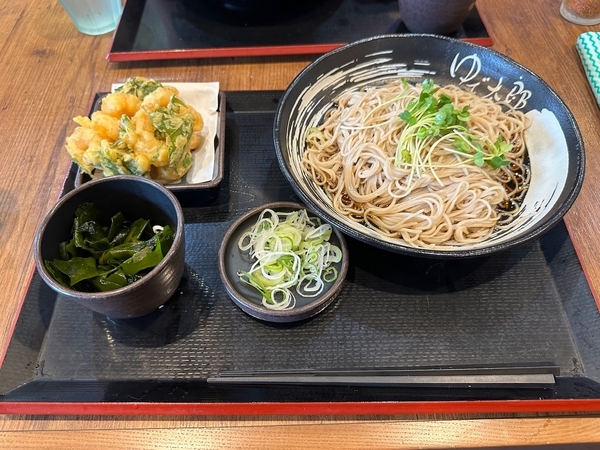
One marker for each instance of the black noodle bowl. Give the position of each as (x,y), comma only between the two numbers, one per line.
(556,161)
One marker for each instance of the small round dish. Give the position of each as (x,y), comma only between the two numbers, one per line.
(232,259)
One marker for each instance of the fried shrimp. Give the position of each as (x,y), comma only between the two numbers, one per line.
(105,125)
(143,128)
(119,103)
(138,134)
(159,98)
(82,141)
(170,173)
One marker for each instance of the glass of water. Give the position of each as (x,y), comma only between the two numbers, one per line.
(94,16)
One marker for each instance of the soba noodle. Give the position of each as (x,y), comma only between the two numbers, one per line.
(434,198)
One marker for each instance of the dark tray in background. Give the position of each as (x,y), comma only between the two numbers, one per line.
(528,306)
(158,29)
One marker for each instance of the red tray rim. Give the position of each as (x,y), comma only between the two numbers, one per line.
(283,50)
(302,408)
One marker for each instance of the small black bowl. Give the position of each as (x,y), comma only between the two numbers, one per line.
(135,197)
(232,259)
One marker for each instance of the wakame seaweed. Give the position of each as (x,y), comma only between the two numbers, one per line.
(103,257)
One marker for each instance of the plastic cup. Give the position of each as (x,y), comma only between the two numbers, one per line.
(94,16)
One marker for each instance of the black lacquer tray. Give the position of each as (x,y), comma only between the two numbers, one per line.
(527,307)
(176,29)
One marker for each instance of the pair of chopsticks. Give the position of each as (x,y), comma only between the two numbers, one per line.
(540,375)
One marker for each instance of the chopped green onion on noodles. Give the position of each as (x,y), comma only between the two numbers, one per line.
(292,252)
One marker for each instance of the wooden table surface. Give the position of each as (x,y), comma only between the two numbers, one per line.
(48,74)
